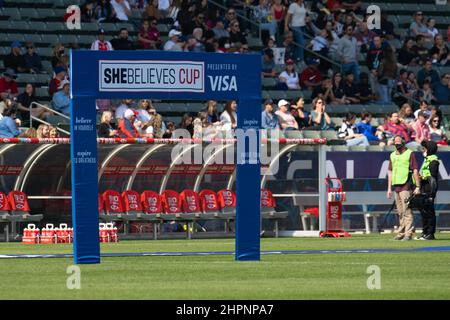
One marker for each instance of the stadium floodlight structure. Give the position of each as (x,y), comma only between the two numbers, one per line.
(159,75)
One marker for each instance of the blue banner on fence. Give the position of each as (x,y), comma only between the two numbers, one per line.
(159,75)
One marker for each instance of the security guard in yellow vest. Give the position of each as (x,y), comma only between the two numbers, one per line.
(429,176)
(402,169)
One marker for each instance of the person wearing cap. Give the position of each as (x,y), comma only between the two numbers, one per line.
(173,44)
(285,118)
(122,42)
(61,99)
(311,76)
(268,119)
(421,128)
(101,44)
(8,85)
(14,59)
(126,127)
(429,175)
(268,63)
(403,174)
(288,79)
(60,75)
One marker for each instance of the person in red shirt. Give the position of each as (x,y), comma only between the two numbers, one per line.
(126,127)
(8,87)
(60,74)
(311,76)
(149,35)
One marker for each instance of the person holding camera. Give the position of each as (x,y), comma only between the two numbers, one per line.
(429,177)
(402,169)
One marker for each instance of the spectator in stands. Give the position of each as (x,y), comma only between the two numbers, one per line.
(14,59)
(288,79)
(387,27)
(104,12)
(289,47)
(122,42)
(60,75)
(32,59)
(120,110)
(151,10)
(311,76)
(407,56)
(8,85)
(366,93)
(437,132)
(441,89)
(88,11)
(268,63)
(58,54)
(202,128)
(395,126)
(173,11)
(53,132)
(351,90)
(173,44)
(103,105)
(219,29)
(236,35)
(268,119)
(195,41)
(24,101)
(229,16)
(365,128)
(426,94)
(159,128)
(186,123)
(197,22)
(61,99)
(421,50)
(440,53)
(278,10)
(425,108)
(302,117)
(349,21)
(122,9)
(42,131)
(406,114)
(348,53)
(262,14)
(285,118)
(105,129)
(101,43)
(229,116)
(212,116)
(431,30)
(9,124)
(170,128)
(126,127)
(349,132)
(29,133)
(6,104)
(321,45)
(320,118)
(296,20)
(143,118)
(386,75)
(324,91)
(338,90)
(364,36)
(417,27)
(373,60)
(421,129)
(413,86)
(149,35)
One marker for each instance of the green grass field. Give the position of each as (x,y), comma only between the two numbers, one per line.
(404,275)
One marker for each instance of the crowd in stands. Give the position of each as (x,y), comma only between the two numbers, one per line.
(294,30)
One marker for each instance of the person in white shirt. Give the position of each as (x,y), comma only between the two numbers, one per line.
(173,44)
(290,76)
(285,118)
(296,19)
(228,118)
(101,44)
(122,9)
(120,110)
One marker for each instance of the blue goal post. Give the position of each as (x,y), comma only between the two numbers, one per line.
(159,75)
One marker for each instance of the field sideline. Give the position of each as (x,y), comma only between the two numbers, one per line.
(404,275)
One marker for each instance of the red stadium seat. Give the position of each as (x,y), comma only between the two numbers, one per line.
(267,200)
(113,203)
(227,203)
(190,203)
(132,202)
(4,204)
(171,202)
(268,209)
(151,202)
(19,202)
(209,203)
(101,205)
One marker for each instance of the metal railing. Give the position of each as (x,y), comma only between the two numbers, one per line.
(45,122)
